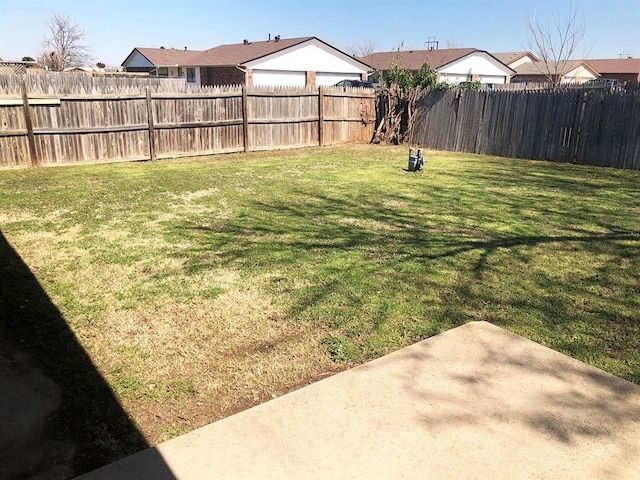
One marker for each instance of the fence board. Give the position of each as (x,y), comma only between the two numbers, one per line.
(573,125)
(80,119)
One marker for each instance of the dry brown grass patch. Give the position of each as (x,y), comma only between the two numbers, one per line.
(177,366)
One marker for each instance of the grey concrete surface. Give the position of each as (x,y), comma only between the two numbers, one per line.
(476,402)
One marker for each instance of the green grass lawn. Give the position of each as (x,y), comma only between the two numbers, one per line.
(198,285)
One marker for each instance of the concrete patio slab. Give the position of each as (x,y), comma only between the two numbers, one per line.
(475,402)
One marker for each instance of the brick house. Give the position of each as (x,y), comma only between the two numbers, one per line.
(622,69)
(278,61)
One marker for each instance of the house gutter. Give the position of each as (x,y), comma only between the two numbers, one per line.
(246,74)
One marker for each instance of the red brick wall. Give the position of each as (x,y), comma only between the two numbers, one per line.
(623,77)
(311,78)
(221,76)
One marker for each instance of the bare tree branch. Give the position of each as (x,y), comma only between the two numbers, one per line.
(64,45)
(452,44)
(555,42)
(362,49)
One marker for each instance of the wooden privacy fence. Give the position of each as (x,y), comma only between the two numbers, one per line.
(576,126)
(100,125)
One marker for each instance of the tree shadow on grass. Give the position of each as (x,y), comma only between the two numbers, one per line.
(58,416)
(377,235)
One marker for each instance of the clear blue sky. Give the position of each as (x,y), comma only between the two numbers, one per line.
(115,27)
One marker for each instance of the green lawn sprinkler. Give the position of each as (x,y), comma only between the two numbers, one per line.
(416,162)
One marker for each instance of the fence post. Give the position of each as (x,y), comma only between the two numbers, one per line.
(320,116)
(245,119)
(152,135)
(31,140)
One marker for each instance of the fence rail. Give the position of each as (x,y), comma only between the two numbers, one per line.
(106,120)
(576,126)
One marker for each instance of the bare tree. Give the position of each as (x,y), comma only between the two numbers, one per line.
(555,42)
(452,44)
(362,49)
(64,44)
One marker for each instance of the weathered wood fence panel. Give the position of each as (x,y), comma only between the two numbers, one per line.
(14,148)
(348,115)
(93,122)
(64,83)
(205,123)
(283,117)
(577,126)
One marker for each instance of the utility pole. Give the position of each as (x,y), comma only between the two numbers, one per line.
(431,43)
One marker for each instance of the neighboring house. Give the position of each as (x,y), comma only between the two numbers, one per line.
(515,59)
(570,71)
(293,61)
(163,62)
(622,69)
(453,65)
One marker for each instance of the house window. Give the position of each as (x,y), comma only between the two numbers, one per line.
(191,75)
(163,72)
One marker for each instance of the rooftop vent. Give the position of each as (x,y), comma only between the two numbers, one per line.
(245,41)
(277,38)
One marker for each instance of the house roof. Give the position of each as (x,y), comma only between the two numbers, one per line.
(163,57)
(616,65)
(239,53)
(509,57)
(227,55)
(538,68)
(414,59)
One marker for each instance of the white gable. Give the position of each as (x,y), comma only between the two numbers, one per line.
(485,67)
(137,60)
(527,58)
(579,74)
(313,56)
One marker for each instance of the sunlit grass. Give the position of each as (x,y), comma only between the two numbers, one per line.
(202,284)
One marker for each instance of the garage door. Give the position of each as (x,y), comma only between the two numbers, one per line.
(491,79)
(276,77)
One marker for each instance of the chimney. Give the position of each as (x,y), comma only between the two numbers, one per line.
(277,38)
(269,38)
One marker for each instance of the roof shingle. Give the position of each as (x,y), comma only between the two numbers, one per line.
(616,65)
(168,56)
(509,57)
(414,59)
(539,68)
(239,53)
